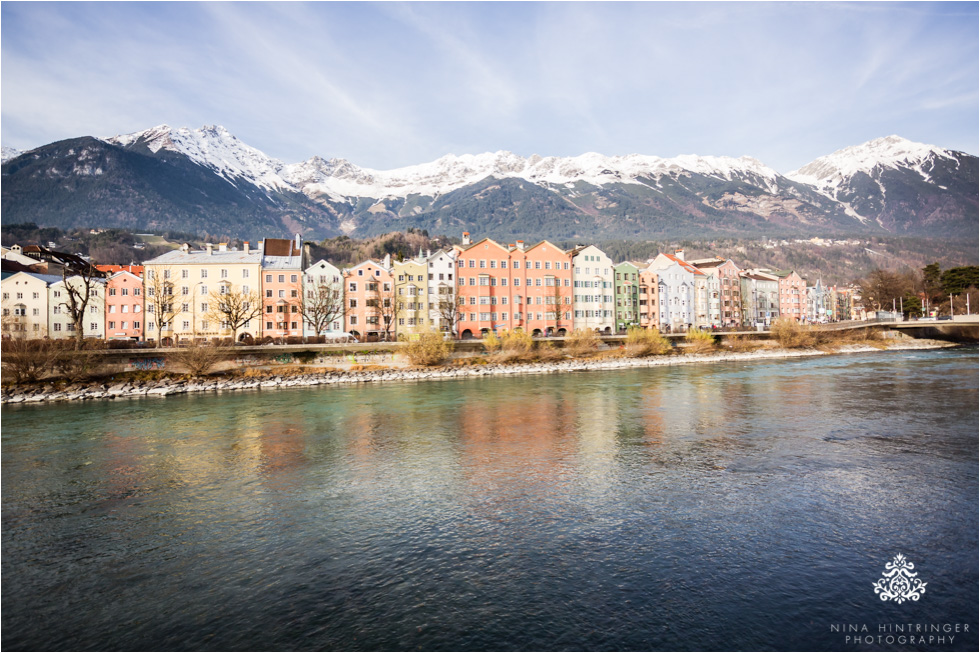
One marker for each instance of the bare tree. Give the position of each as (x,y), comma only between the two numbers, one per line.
(557,307)
(448,308)
(383,303)
(160,298)
(233,309)
(881,287)
(79,289)
(323,305)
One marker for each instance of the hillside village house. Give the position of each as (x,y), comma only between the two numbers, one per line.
(190,277)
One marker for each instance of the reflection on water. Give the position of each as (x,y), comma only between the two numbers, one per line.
(720,507)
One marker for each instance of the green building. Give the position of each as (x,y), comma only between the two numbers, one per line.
(627,295)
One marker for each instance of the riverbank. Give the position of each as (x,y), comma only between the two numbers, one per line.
(168,386)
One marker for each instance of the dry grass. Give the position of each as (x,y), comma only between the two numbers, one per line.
(582,342)
(28,360)
(82,364)
(740,344)
(645,342)
(430,349)
(790,334)
(832,340)
(548,353)
(515,346)
(699,342)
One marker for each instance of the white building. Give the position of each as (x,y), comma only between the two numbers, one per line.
(60,320)
(593,278)
(25,304)
(679,283)
(442,288)
(324,277)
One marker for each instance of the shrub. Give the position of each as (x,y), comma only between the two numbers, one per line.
(28,360)
(79,365)
(429,349)
(699,342)
(198,358)
(491,342)
(645,342)
(790,334)
(582,342)
(547,352)
(516,345)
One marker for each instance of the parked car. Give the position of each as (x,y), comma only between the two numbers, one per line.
(945,317)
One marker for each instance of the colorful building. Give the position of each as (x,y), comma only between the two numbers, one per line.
(25,304)
(124,305)
(593,278)
(443,308)
(189,277)
(60,322)
(323,296)
(678,282)
(760,297)
(648,299)
(627,295)
(730,287)
(369,290)
(792,295)
(282,286)
(412,295)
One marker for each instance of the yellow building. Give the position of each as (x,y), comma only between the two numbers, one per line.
(178,287)
(411,296)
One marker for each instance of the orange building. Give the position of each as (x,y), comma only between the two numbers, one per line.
(506,287)
(649,300)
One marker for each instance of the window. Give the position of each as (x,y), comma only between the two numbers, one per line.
(224,273)
(352,287)
(244,274)
(112,292)
(136,325)
(282,278)
(268,279)
(204,273)
(183,273)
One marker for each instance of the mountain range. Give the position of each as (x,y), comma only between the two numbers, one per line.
(207,181)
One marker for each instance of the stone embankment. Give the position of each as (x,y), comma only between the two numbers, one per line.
(176,385)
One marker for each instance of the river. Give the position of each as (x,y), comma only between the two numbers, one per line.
(725,506)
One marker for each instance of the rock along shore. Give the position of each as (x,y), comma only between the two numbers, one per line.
(174,386)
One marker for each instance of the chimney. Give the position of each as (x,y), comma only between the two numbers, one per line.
(185,248)
(520,245)
(245,246)
(222,247)
(209,247)
(466,238)
(679,253)
(299,243)
(307,255)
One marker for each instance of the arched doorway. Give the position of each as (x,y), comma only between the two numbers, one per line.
(536,333)
(467,335)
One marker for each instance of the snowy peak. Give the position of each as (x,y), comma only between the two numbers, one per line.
(888,152)
(215,147)
(9,153)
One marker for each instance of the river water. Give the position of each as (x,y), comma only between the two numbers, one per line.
(724,506)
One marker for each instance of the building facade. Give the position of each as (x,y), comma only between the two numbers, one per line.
(594,282)
(124,306)
(627,296)
(369,290)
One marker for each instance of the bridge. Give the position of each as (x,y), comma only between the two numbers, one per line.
(961,328)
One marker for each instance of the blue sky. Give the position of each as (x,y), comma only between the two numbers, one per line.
(393,84)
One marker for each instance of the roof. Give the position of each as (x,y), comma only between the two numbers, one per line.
(280,247)
(49,279)
(684,264)
(132,269)
(233,257)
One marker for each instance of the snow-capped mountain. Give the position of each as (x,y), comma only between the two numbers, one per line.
(202,178)
(8,153)
(893,181)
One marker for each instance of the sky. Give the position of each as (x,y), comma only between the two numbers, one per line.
(386,85)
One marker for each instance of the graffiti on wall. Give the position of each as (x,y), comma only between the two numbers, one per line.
(147,363)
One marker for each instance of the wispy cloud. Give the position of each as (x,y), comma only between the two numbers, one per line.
(387,85)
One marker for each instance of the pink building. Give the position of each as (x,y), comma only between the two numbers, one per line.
(369,291)
(124,306)
(648,313)
(506,287)
(792,295)
(282,286)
